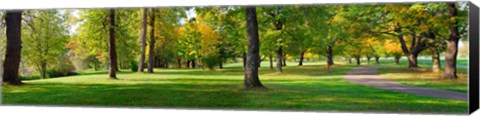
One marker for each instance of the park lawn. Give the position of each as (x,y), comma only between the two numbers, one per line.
(305,88)
(424,76)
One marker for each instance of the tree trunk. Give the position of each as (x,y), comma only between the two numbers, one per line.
(377,59)
(271,62)
(357,58)
(397,59)
(193,63)
(141,61)
(301,58)
(349,60)
(412,60)
(251,70)
(451,60)
(436,66)
(220,63)
(112,50)
(329,55)
(244,58)
(43,69)
(279,60)
(151,52)
(179,62)
(13,20)
(368,59)
(452,45)
(188,64)
(284,60)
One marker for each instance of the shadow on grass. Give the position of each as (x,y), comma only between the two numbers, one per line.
(307,95)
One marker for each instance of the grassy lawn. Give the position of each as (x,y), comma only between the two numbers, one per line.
(305,88)
(424,77)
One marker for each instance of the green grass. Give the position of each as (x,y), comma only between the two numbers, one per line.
(306,88)
(424,77)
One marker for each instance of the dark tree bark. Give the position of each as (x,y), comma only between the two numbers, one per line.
(141,61)
(220,63)
(349,60)
(179,62)
(357,58)
(43,69)
(329,55)
(452,45)
(436,66)
(188,64)
(244,58)
(416,47)
(377,59)
(301,58)
(152,42)
(284,60)
(13,20)
(397,59)
(251,69)
(279,60)
(271,61)
(368,59)
(112,50)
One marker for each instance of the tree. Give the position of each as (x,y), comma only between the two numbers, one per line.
(141,61)
(452,44)
(253,57)
(44,37)
(112,48)
(151,52)
(13,21)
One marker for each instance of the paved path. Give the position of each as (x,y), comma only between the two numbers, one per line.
(368,76)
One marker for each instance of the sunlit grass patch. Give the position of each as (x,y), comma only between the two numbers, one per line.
(305,88)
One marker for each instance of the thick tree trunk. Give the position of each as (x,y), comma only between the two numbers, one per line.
(397,59)
(349,60)
(412,60)
(188,64)
(301,58)
(141,61)
(13,20)
(251,70)
(451,60)
(329,55)
(112,50)
(271,61)
(357,58)
(151,52)
(436,66)
(377,59)
(279,60)
(452,45)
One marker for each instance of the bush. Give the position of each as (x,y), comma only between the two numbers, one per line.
(63,67)
(133,65)
(210,61)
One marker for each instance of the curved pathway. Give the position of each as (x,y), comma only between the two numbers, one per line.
(368,76)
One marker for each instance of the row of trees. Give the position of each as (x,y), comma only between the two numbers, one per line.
(158,37)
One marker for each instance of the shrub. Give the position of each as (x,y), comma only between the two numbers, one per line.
(63,67)
(210,61)
(133,65)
